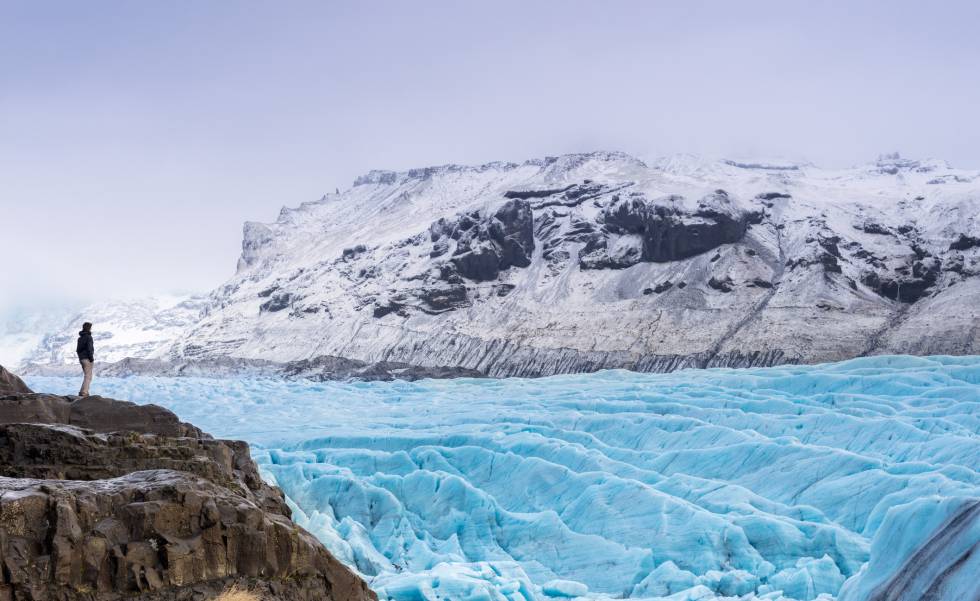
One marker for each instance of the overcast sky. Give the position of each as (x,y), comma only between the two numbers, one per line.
(136,137)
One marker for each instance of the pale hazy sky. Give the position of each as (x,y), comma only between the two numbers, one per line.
(136,137)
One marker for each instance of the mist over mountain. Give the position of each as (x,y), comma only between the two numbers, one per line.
(126,328)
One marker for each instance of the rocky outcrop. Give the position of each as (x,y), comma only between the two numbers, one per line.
(635,230)
(484,245)
(965,242)
(94,413)
(907,284)
(104,500)
(11,384)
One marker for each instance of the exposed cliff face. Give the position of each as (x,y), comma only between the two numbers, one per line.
(102,499)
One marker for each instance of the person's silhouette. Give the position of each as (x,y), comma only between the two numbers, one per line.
(85,349)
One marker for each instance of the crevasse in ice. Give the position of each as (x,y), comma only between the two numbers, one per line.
(797,482)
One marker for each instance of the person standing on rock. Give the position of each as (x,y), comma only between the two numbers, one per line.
(85,349)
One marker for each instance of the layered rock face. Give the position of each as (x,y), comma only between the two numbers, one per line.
(102,499)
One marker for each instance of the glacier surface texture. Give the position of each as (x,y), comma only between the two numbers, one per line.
(851,481)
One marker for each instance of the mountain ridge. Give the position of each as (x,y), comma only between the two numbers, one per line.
(597,260)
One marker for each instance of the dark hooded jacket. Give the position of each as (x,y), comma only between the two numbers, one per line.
(85,349)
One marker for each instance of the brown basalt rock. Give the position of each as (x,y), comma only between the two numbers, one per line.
(157,534)
(94,413)
(63,452)
(11,384)
(103,500)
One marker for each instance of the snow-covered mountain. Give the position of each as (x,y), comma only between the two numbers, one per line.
(589,261)
(125,328)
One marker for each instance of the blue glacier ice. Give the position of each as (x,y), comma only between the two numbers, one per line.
(824,482)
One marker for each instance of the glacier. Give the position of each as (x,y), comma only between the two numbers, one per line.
(853,481)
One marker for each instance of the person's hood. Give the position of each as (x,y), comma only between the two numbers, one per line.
(84,333)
